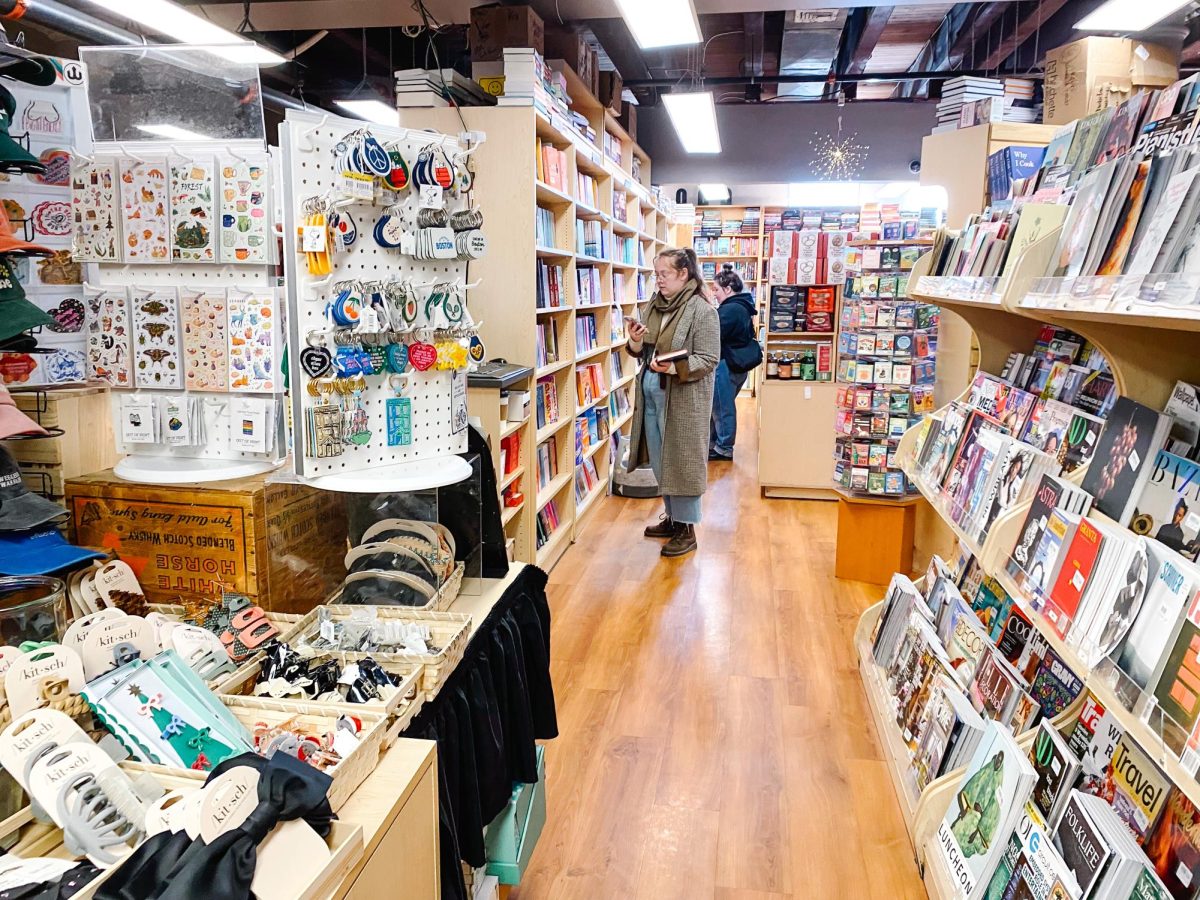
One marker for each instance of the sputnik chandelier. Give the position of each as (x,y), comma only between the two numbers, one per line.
(836,157)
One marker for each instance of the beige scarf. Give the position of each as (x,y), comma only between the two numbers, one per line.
(663,316)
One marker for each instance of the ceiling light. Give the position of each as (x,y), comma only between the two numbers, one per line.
(173,132)
(371,110)
(169,19)
(694,116)
(661,23)
(714,193)
(1128,16)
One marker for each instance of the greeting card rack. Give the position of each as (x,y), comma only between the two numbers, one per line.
(1148,338)
(428,458)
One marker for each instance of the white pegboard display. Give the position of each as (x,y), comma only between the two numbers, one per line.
(437,397)
(118,287)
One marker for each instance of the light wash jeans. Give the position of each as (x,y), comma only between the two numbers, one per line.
(723,431)
(685,510)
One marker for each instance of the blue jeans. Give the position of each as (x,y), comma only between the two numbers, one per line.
(654,426)
(723,431)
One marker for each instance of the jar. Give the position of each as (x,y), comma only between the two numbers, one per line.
(32,608)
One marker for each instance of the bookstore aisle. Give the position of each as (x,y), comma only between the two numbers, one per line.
(712,720)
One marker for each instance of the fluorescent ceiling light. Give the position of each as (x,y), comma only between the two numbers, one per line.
(714,193)
(661,23)
(175,21)
(371,110)
(1128,16)
(694,116)
(173,132)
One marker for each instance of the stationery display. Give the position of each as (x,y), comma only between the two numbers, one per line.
(886,371)
(383,348)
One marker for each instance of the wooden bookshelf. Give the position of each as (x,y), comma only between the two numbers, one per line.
(1147,355)
(509,191)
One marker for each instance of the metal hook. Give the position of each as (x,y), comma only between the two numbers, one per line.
(305,144)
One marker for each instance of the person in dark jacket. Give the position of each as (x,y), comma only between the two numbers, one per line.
(740,353)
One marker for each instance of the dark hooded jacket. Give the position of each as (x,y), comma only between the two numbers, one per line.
(739,346)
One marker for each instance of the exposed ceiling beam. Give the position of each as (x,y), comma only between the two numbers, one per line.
(1024,29)
(622,49)
(755,27)
(872,30)
(809,78)
(980,22)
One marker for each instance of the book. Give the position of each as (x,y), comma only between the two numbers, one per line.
(1081,843)
(966,647)
(985,808)
(1056,767)
(1047,559)
(1168,508)
(1149,887)
(1176,687)
(1139,788)
(1132,436)
(1113,597)
(1066,592)
(1054,686)
(1183,407)
(1173,582)
(1173,847)
(1080,440)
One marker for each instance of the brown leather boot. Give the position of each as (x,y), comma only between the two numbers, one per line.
(682,543)
(663,528)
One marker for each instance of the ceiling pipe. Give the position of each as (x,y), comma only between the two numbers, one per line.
(939,75)
(88,29)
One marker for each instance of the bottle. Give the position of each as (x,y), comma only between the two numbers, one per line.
(785,367)
(772,366)
(808,366)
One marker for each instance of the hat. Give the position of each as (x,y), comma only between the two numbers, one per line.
(19,509)
(13,421)
(16,313)
(17,62)
(13,157)
(10,244)
(39,553)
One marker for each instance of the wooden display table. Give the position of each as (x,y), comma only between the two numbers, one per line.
(874,537)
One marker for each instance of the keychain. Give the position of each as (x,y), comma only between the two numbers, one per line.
(323,421)
(315,359)
(316,239)
(398,413)
(389,230)
(343,229)
(397,177)
(402,302)
(358,431)
(344,309)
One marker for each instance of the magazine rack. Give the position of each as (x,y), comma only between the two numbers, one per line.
(1148,333)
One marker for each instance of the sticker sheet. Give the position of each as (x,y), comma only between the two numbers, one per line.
(156,345)
(94,235)
(245,201)
(145,210)
(193,210)
(253,341)
(205,344)
(108,338)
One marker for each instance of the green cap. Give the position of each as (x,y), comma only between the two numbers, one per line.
(14,157)
(16,313)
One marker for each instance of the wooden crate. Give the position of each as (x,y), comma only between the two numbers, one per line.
(84,415)
(281,544)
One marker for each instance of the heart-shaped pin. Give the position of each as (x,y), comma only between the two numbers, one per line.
(315,361)
(422,355)
(67,316)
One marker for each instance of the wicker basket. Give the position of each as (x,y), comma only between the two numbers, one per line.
(451,632)
(350,772)
(441,601)
(401,708)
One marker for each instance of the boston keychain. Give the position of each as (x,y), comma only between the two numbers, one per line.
(358,431)
(398,413)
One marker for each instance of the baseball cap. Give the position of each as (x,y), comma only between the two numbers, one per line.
(13,157)
(19,509)
(40,552)
(23,65)
(16,313)
(10,244)
(13,421)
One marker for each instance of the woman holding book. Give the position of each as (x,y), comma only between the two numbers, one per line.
(740,353)
(679,346)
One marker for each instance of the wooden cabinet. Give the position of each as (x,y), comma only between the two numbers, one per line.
(796,438)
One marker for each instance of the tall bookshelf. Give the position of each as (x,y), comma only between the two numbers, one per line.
(1147,351)
(632,225)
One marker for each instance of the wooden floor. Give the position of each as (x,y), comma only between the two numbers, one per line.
(714,736)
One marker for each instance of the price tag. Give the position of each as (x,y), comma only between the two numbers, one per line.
(357,186)
(431,197)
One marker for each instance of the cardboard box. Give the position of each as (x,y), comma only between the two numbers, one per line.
(495,27)
(572,49)
(628,118)
(281,544)
(611,87)
(1089,74)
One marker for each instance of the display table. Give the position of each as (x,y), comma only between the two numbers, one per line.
(874,537)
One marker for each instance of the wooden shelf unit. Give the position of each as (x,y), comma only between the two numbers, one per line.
(508,192)
(1147,355)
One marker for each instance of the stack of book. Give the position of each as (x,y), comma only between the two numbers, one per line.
(960,92)
(547,462)
(589,383)
(549,287)
(750,220)
(708,223)
(547,523)
(547,401)
(434,87)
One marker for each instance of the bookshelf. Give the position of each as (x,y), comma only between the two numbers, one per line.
(1148,348)
(600,227)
